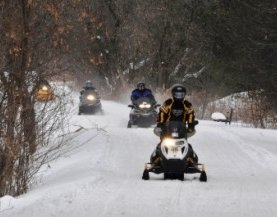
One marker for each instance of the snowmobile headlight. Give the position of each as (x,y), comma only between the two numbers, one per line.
(44,88)
(145,105)
(169,142)
(90,97)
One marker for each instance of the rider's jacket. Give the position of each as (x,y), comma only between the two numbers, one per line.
(141,93)
(175,110)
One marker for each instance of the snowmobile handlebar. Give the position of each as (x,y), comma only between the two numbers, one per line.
(168,128)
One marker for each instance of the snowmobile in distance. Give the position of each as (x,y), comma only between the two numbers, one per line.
(144,112)
(174,160)
(44,92)
(90,102)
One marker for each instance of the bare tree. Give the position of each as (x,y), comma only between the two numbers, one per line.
(21,47)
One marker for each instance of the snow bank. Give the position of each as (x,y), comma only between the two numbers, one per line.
(6,203)
(218,116)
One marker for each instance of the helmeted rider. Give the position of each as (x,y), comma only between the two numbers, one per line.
(141,91)
(88,86)
(176,108)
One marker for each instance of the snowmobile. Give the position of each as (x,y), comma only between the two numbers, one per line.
(174,152)
(90,102)
(143,112)
(44,92)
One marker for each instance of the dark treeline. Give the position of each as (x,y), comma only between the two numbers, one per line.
(215,47)
(122,42)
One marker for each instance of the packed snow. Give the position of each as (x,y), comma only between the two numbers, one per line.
(101,175)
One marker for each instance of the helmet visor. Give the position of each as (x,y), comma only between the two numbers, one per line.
(179,95)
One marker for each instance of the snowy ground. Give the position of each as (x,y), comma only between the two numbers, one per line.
(102,176)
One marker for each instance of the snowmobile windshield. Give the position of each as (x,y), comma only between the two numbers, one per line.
(89,88)
(89,95)
(144,102)
(174,129)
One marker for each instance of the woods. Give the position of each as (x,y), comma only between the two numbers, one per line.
(216,48)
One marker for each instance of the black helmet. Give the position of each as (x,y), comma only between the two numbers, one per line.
(88,83)
(141,86)
(178,91)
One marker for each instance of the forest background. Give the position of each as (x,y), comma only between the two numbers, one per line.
(217,48)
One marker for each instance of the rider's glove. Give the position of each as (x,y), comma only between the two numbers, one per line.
(190,128)
(158,129)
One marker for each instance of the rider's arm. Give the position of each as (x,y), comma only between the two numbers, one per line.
(189,114)
(147,93)
(134,96)
(150,95)
(164,112)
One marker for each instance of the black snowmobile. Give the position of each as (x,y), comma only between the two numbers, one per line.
(144,112)
(174,152)
(90,102)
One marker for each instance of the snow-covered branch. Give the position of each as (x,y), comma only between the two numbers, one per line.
(194,74)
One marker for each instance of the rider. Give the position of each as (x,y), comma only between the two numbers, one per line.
(88,86)
(176,108)
(141,91)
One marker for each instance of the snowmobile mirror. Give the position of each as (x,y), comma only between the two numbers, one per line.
(157,131)
(191,134)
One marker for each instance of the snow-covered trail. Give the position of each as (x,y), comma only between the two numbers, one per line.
(102,176)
